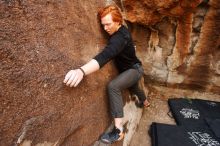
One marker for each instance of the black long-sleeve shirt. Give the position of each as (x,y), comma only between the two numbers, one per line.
(120,48)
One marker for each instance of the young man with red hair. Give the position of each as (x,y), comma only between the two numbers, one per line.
(120,48)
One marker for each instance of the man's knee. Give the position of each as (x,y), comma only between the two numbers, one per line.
(111,86)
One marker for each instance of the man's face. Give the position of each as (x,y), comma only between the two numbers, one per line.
(109,25)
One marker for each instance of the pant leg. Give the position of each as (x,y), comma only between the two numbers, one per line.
(135,89)
(123,81)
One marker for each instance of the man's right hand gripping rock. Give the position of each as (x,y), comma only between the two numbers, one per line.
(73,77)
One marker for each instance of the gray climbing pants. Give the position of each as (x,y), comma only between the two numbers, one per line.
(125,80)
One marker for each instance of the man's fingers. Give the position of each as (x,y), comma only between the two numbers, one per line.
(74,80)
(77,82)
(72,77)
(67,77)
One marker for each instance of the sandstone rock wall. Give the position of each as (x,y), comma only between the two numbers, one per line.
(180,43)
(39,42)
(177,41)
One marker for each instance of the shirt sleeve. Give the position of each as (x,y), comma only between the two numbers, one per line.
(113,48)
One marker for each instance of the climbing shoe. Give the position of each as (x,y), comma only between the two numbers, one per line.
(112,136)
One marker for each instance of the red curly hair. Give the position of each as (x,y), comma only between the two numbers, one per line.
(115,12)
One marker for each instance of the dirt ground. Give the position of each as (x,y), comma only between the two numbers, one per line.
(158,111)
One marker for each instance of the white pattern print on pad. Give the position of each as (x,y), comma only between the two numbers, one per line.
(213,104)
(190,113)
(203,139)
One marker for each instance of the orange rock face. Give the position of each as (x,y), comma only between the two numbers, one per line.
(149,12)
(177,41)
(182,41)
(40,41)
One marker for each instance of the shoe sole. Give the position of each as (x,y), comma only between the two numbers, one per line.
(108,142)
(121,136)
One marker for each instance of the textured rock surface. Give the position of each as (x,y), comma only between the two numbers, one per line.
(177,41)
(180,45)
(149,12)
(39,42)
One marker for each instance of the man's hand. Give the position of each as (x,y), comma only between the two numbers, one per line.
(73,77)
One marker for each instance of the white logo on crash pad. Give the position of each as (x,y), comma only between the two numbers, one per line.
(213,104)
(203,139)
(190,113)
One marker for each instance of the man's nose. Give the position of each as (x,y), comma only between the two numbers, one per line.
(105,27)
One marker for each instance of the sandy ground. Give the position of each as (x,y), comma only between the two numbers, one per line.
(158,111)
